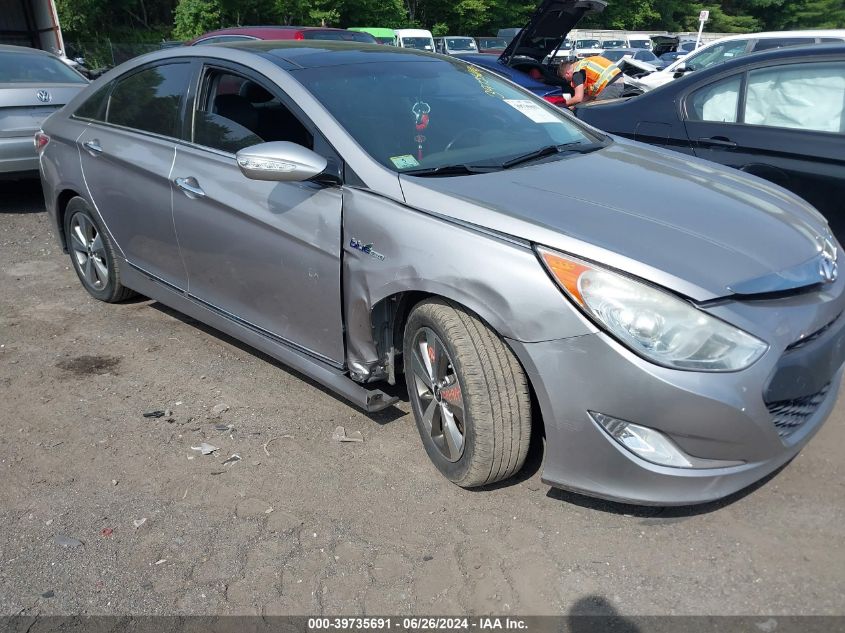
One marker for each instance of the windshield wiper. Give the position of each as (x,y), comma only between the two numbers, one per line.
(551,150)
(452,170)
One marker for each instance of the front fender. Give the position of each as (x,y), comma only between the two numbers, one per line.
(390,249)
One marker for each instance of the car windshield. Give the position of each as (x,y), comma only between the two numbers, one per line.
(612,44)
(421,43)
(32,68)
(615,56)
(385,40)
(716,54)
(646,56)
(587,44)
(640,44)
(493,42)
(414,115)
(460,44)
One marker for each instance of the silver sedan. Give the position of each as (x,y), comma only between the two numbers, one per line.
(362,212)
(33,85)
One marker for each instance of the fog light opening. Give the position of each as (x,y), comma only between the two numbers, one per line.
(644,442)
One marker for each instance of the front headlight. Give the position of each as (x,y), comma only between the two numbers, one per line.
(653,323)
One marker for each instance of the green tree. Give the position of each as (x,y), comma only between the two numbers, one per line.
(195,17)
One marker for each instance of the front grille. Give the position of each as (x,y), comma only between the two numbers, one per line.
(790,415)
(812,337)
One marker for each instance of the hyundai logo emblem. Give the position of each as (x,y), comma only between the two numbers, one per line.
(43,96)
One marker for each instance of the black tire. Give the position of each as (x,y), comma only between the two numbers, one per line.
(494,392)
(93,256)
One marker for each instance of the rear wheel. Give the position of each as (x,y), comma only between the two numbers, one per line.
(92,254)
(469,394)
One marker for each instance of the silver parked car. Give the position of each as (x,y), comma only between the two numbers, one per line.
(33,85)
(361,212)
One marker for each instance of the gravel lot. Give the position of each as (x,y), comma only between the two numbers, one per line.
(303,524)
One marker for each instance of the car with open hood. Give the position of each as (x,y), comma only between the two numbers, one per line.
(530,58)
(517,269)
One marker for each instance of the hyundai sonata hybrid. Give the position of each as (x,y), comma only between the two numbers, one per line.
(362,212)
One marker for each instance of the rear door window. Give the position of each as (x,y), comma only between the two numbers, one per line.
(151,100)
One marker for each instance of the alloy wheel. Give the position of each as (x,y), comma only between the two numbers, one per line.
(89,251)
(438,394)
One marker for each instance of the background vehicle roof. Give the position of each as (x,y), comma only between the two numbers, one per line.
(264,32)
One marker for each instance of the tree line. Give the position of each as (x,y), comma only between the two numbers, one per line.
(154,20)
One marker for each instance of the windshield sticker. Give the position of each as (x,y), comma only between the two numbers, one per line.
(404,162)
(532,111)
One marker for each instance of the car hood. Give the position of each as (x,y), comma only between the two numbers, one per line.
(701,229)
(549,24)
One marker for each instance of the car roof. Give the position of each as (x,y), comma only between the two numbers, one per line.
(809,50)
(769,34)
(323,53)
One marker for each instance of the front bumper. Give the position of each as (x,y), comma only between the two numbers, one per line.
(17,154)
(714,416)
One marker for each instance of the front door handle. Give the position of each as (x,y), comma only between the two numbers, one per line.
(94,148)
(719,141)
(190,187)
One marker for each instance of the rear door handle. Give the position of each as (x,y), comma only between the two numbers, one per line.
(94,148)
(719,141)
(190,187)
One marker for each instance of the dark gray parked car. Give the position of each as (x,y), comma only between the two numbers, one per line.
(444,223)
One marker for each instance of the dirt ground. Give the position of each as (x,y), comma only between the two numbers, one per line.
(303,524)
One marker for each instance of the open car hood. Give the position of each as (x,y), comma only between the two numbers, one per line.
(550,23)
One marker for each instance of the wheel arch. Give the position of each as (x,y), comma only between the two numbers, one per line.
(389,317)
(62,200)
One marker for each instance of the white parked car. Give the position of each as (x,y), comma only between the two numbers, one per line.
(734,46)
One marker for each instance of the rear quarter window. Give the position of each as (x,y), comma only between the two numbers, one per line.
(94,107)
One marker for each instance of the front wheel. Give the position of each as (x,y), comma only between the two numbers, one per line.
(469,394)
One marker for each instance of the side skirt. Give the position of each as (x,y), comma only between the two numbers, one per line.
(369,400)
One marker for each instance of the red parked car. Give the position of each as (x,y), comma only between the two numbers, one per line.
(235,34)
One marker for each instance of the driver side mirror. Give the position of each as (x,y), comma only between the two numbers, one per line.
(280,161)
(680,69)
